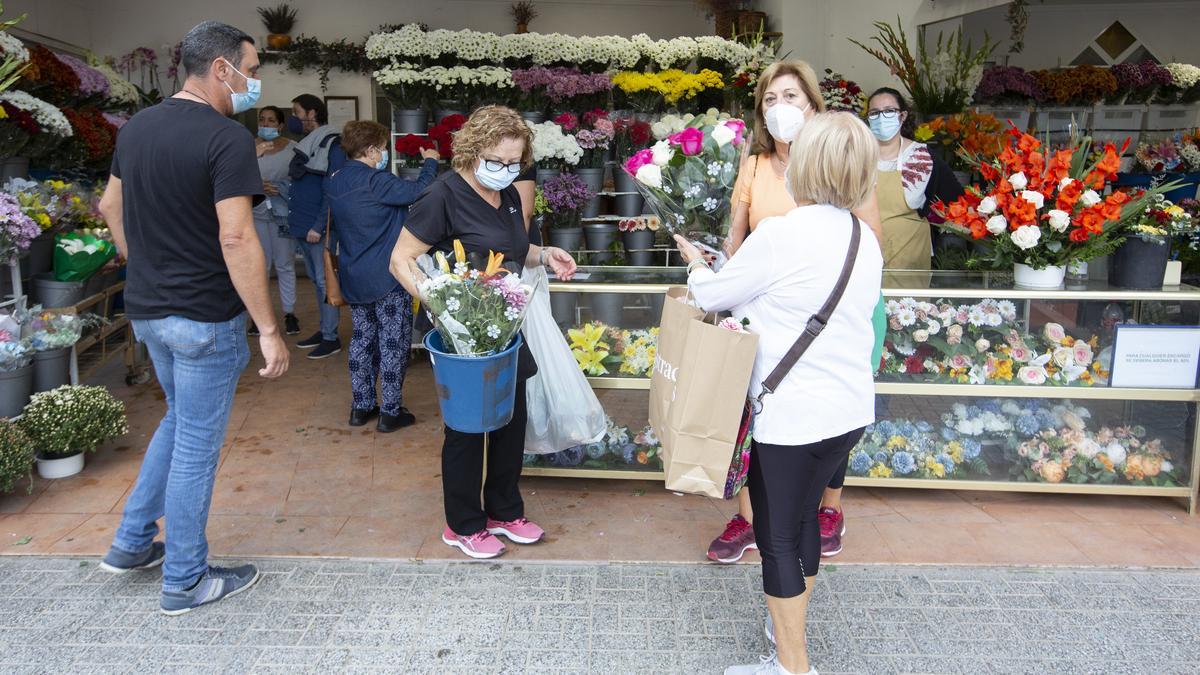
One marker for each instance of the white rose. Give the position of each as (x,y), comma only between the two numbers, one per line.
(1062,184)
(997,224)
(650,175)
(982,345)
(986,205)
(1059,220)
(1035,198)
(1089,198)
(1116,453)
(1018,180)
(1026,237)
(662,153)
(921,335)
(723,135)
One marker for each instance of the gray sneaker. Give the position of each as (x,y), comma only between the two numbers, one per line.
(217,583)
(120,562)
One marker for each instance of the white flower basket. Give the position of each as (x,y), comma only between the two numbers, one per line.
(1057,122)
(1175,117)
(1115,123)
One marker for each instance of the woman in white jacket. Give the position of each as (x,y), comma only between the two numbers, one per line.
(778,280)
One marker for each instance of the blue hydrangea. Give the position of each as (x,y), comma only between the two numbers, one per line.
(924,427)
(992,406)
(567,458)
(860,463)
(903,463)
(628,453)
(881,457)
(1028,425)
(949,434)
(596,450)
(1046,419)
(973,412)
(945,461)
(885,428)
(971,448)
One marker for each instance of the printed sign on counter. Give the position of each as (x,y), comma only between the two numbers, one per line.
(1156,357)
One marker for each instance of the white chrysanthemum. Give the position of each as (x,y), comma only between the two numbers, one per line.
(48,117)
(1183,75)
(12,47)
(120,90)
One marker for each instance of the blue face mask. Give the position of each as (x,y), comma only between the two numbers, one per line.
(383,161)
(295,125)
(268,133)
(244,100)
(494,180)
(885,129)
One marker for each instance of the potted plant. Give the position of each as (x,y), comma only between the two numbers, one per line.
(279,21)
(408,152)
(566,195)
(16,455)
(594,133)
(630,136)
(53,335)
(65,423)
(16,368)
(553,150)
(1141,259)
(35,204)
(637,234)
(1039,214)
(522,13)
(17,232)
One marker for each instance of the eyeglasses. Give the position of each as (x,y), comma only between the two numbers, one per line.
(496,165)
(886,113)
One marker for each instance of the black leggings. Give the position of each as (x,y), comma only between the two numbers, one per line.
(786,482)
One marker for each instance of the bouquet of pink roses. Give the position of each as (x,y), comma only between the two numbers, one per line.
(688,179)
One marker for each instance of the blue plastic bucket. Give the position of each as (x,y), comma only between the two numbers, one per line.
(476,393)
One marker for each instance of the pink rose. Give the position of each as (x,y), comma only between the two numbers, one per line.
(1083,353)
(1032,375)
(1054,332)
(642,158)
(690,141)
(1021,354)
(960,361)
(739,130)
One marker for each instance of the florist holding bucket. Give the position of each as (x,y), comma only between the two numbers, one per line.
(478,206)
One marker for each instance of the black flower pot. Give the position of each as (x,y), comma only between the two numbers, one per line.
(1139,264)
(567,238)
(638,248)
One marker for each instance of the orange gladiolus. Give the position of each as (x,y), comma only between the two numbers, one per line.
(978,227)
(1027,143)
(1020,212)
(1079,235)
(1092,221)
(1069,196)
(1059,166)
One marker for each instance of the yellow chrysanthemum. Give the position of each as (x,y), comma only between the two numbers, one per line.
(880,471)
(935,467)
(897,442)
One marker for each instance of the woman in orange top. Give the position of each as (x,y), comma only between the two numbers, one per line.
(787,95)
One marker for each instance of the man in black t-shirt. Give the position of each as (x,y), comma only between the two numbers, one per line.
(178,202)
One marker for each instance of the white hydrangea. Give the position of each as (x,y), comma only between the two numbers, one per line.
(49,117)
(13,47)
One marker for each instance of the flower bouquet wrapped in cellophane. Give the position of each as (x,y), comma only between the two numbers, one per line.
(688,179)
(477,311)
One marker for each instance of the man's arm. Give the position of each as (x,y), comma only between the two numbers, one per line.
(247,268)
(112,207)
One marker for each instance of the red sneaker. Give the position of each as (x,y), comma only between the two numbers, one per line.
(833,526)
(733,543)
(479,545)
(521,530)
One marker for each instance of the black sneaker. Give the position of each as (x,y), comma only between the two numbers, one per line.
(389,423)
(291,325)
(311,341)
(325,349)
(253,330)
(217,583)
(120,562)
(359,418)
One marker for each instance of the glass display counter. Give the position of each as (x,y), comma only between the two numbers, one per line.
(983,386)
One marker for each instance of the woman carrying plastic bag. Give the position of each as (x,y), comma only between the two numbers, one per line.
(563,409)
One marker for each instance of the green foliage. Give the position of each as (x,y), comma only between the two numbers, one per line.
(70,419)
(16,455)
(309,52)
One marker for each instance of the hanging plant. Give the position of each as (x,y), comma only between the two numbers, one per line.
(1018,21)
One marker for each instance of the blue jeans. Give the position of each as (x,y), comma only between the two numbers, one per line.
(198,365)
(314,262)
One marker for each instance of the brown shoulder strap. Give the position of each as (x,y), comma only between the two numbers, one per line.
(818,321)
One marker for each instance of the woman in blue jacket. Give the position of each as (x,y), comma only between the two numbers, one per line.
(368,205)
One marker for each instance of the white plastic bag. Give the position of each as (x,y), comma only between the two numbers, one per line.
(563,409)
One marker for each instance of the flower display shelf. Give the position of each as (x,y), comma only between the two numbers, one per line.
(1029,397)
(1176,117)
(1116,123)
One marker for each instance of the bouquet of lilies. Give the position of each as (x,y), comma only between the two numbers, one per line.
(688,179)
(478,313)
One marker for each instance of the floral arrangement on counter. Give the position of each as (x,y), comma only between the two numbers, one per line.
(688,179)
(1162,221)
(842,94)
(906,449)
(1007,85)
(553,148)
(1080,85)
(1107,456)
(476,312)
(1040,209)
(963,135)
(594,133)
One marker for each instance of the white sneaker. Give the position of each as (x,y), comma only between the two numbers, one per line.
(769,629)
(768,665)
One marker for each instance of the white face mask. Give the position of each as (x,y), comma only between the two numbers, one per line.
(784,122)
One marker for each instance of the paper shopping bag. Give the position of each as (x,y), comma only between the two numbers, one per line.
(697,394)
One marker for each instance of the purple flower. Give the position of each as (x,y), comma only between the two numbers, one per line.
(1007,84)
(566,192)
(17,230)
(118,120)
(560,83)
(91,81)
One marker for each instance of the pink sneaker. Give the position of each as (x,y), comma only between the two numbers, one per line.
(833,527)
(521,530)
(479,545)
(733,543)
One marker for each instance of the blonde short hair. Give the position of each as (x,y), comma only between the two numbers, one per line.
(763,142)
(484,129)
(833,161)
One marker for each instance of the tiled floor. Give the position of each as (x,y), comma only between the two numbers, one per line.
(296,481)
